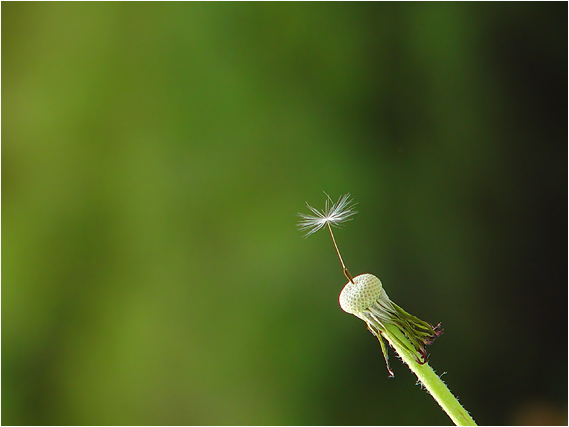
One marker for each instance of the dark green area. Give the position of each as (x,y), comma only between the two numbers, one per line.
(154,157)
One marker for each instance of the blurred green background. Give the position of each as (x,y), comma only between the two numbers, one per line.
(154,158)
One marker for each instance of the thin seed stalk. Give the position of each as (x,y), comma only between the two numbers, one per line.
(346,272)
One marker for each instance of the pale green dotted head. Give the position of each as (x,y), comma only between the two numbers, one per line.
(358,296)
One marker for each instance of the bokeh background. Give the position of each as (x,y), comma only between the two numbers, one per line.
(154,159)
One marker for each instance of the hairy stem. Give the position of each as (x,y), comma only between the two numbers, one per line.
(430,380)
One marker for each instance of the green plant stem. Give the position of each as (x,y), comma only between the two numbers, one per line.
(431,381)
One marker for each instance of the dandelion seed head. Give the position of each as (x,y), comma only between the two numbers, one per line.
(333,213)
(360,295)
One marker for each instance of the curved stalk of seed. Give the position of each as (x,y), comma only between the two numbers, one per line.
(346,272)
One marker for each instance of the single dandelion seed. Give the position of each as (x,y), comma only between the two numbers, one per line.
(364,297)
(333,214)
